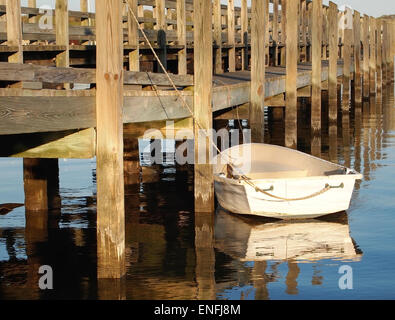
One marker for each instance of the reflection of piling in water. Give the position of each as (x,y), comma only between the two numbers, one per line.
(36,232)
(366,146)
(346,139)
(357,143)
(111,289)
(205,256)
(260,281)
(292,278)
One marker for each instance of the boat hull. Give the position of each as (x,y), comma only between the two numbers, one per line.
(302,195)
(243,199)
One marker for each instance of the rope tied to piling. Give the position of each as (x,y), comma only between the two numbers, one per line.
(232,167)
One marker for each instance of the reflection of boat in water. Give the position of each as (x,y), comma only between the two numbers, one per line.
(249,239)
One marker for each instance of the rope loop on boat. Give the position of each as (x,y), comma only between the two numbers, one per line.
(265,192)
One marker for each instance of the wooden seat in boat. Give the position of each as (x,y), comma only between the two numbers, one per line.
(277,174)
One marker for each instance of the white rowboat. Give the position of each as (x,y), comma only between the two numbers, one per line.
(278,182)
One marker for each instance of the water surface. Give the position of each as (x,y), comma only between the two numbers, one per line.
(174,254)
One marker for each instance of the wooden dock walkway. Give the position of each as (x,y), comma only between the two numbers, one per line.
(31,110)
(78,84)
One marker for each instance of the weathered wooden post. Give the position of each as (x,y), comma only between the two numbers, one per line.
(357,59)
(325,34)
(109,103)
(275,31)
(231,36)
(14,30)
(244,34)
(267,33)
(333,54)
(372,60)
(62,32)
(218,36)
(133,37)
(283,31)
(258,29)
(386,77)
(379,56)
(32,4)
(303,11)
(35,185)
(182,37)
(309,29)
(292,71)
(204,183)
(366,50)
(161,28)
(84,8)
(347,25)
(392,37)
(316,77)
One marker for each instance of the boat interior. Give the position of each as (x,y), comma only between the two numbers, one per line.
(262,161)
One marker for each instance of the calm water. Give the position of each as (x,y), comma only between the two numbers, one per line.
(173,254)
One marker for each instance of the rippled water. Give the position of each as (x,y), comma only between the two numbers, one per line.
(174,254)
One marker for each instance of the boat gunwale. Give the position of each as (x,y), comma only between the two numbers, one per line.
(354,176)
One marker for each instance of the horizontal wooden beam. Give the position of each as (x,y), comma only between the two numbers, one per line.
(167,129)
(304,92)
(275,101)
(30,72)
(72,144)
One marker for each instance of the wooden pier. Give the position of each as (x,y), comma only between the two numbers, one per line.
(221,58)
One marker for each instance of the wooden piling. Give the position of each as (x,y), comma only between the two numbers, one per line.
(316,68)
(291,76)
(131,160)
(62,32)
(303,12)
(310,18)
(109,102)
(182,37)
(133,36)
(218,36)
(161,28)
(275,31)
(347,59)
(204,184)
(372,60)
(283,31)
(32,4)
(267,33)
(333,55)
(14,30)
(41,184)
(379,56)
(365,32)
(244,34)
(258,28)
(231,36)
(35,185)
(385,53)
(357,59)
